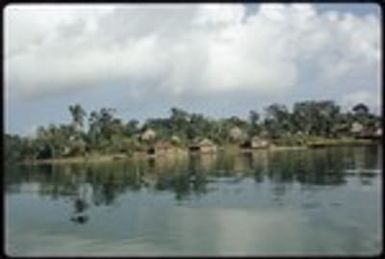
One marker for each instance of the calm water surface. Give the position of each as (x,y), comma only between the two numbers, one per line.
(298,202)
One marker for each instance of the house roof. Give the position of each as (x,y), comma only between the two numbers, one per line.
(203,142)
(357,127)
(149,133)
(206,142)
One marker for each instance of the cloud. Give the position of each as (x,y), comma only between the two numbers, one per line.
(187,50)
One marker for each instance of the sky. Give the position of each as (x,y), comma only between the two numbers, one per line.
(217,59)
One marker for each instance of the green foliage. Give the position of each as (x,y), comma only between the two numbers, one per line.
(360,109)
(103,133)
(291,140)
(78,114)
(12,150)
(316,117)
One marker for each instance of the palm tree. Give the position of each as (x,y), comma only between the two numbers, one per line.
(78,114)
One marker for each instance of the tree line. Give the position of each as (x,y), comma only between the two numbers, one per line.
(101,132)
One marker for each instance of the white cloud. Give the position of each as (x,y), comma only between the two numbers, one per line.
(186,49)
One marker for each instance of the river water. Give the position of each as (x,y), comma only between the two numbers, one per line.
(295,202)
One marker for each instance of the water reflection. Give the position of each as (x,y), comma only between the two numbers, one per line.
(84,186)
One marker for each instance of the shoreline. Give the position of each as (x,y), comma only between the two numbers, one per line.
(121,157)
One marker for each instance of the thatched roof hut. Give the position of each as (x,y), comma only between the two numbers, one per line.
(148,134)
(236,134)
(255,142)
(203,146)
(175,140)
(159,148)
(356,128)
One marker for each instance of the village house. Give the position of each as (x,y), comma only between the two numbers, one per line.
(357,129)
(255,143)
(160,148)
(203,146)
(378,130)
(175,140)
(236,134)
(148,135)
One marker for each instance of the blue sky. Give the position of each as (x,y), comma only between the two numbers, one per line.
(220,60)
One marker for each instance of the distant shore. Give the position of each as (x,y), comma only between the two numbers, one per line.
(100,158)
(91,159)
(101,136)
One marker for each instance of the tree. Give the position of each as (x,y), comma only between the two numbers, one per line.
(104,130)
(197,126)
(360,108)
(14,148)
(277,119)
(78,114)
(327,113)
(178,122)
(178,114)
(254,120)
(52,141)
(132,127)
(362,115)
(316,117)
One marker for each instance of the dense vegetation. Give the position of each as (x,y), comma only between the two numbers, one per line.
(101,132)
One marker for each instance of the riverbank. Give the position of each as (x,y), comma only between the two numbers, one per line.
(77,160)
(102,158)
(315,142)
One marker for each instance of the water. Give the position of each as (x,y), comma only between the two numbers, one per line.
(297,202)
